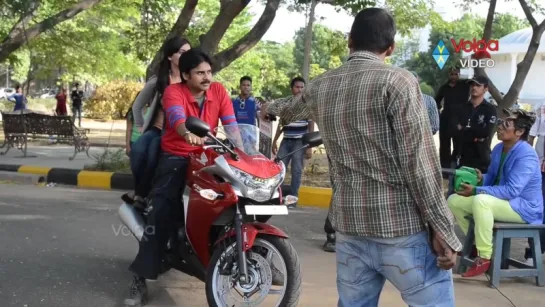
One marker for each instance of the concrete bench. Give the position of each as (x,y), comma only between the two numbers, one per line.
(501,262)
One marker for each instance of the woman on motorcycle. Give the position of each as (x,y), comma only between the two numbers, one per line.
(144,152)
(510,190)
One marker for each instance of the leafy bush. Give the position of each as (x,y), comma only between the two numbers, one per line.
(426,89)
(110,161)
(112,100)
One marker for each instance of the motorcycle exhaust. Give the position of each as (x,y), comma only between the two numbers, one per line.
(132,219)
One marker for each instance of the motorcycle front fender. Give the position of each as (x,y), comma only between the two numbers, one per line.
(250,232)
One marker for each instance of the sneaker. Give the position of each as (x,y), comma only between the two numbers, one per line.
(529,262)
(292,206)
(138,293)
(479,267)
(329,245)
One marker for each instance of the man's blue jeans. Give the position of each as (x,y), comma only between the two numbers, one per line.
(144,156)
(364,264)
(286,146)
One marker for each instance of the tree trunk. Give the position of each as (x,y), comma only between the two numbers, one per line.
(178,29)
(211,39)
(248,41)
(16,39)
(308,40)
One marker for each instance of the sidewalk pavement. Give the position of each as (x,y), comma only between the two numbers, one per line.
(51,156)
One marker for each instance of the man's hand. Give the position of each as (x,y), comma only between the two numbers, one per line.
(479,175)
(467,190)
(194,140)
(308,153)
(446,257)
(128,150)
(274,148)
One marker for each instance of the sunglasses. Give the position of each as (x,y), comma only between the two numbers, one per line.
(242,104)
(506,123)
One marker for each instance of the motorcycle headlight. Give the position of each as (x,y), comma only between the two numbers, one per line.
(259,189)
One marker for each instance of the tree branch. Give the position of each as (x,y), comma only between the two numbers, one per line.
(11,44)
(178,29)
(523,68)
(229,10)
(528,13)
(487,34)
(248,41)
(27,15)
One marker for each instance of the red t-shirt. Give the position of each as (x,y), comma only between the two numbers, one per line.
(179,104)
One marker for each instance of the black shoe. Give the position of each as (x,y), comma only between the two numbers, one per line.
(138,293)
(329,245)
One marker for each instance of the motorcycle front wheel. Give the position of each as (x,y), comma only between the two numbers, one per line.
(274,275)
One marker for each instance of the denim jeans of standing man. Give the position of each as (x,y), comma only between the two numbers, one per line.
(144,156)
(364,264)
(286,146)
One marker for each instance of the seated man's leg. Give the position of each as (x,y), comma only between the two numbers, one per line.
(152,157)
(461,207)
(139,158)
(163,216)
(486,210)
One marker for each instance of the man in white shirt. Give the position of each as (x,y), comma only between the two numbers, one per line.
(538,130)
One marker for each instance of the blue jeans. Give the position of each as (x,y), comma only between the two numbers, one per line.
(364,264)
(287,146)
(144,156)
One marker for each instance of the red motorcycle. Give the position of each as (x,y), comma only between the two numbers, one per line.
(231,191)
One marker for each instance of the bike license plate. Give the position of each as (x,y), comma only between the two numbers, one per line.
(266,210)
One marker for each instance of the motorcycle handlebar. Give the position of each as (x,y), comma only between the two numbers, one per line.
(448,171)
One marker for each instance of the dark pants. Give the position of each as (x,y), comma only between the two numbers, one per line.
(165,216)
(328,228)
(528,254)
(144,156)
(76,112)
(286,146)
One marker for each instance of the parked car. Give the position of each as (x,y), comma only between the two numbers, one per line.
(50,94)
(6,92)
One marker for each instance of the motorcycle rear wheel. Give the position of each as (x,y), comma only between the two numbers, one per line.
(283,248)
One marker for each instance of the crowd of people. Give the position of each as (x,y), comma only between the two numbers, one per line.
(389,218)
(76,97)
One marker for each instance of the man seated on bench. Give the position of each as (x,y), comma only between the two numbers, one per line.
(510,191)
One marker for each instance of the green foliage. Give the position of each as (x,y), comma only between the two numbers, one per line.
(112,100)
(426,89)
(326,44)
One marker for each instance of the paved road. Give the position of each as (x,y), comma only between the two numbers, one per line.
(59,248)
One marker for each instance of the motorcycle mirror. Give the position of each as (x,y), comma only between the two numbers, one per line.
(197,126)
(312,139)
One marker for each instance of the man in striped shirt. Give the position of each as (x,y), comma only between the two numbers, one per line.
(431,107)
(293,132)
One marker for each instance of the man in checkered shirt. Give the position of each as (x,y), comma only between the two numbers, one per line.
(388,199)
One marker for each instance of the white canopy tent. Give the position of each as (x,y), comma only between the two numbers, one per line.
(511,51)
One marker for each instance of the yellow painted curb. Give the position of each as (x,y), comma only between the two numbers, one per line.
(37,170)
(314,197)
(95,180)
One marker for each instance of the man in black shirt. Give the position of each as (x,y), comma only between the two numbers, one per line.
(476,126)
(77,97)
(453,95)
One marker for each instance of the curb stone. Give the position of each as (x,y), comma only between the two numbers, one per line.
(308,196)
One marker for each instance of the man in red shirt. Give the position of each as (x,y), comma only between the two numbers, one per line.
(197,96)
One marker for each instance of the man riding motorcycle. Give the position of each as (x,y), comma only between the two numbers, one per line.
(197,96)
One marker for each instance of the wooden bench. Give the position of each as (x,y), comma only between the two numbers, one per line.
(20,127)
(501,262)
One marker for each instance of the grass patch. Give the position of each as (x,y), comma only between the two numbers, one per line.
(110,160)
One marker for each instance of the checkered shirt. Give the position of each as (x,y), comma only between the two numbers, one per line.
(386,174)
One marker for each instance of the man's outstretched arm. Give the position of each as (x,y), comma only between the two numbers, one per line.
(291,108)
(418,157)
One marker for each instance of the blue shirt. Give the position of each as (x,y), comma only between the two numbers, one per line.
(433,114)
(19,100)
(520,181)
(245,110)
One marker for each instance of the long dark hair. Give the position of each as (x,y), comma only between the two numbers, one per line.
(171,46)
